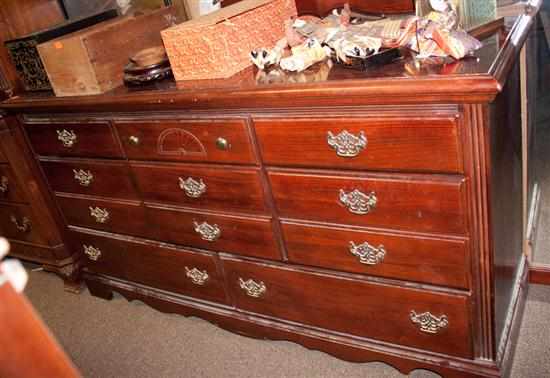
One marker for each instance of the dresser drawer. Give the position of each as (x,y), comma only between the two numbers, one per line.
(18,222)
(226,233)
(9,187)
(192,185)
(177,270)
(425,204)
(393,144)
(212,140)
(74,139)
(360,308)
(108,179)
(412,258)
(121,216)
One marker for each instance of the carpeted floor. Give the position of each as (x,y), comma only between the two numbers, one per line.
(121,339)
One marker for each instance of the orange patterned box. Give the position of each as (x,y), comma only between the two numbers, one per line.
(218,45)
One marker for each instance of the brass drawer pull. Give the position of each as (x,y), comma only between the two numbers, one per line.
(67,137)
(24,226)
(429,323)
(198,277)
(84,178)
(4,184)
(134,140)
(100,215)
(192,187)
(222,144)
(252,288)
(92,252)
(207,232)
(367,254)
(346,144)
(358,202)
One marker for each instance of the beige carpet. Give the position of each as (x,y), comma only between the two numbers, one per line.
(121,339)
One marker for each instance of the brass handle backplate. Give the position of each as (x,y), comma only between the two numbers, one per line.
(100,215)
(4,184)
(92,252)
(192,187)
(358,202)
(252,288)
(429,323)
(67,137)
(84,178)
(23,226)
(198,277)
(367,254)
(207,232)
(346,144)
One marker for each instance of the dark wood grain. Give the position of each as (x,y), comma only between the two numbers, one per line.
(110,179)
(323,7)
(408,257)
(151,264)
(187,140)
(240,235)
(395,144)
(227,188)
(403,202)
(351,306)
(13,192)
(124,216)
(93,139)
(22,214)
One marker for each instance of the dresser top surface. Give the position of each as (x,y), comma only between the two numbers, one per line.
(405,81)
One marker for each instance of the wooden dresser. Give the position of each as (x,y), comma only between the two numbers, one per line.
(28,217)
(376,215)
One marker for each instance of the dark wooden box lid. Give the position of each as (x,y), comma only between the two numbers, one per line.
(323,7)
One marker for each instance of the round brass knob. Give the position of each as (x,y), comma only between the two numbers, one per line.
(222,144)
(134,140)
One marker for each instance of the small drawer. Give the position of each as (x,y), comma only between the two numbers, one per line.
(9,187)
(212,140)
(115,216)
(201,186)
(421,204)
(413,258)
(18,222)
(226,233)
(74,139)
(392,144)
(107,179)
(434,321)
(177,270)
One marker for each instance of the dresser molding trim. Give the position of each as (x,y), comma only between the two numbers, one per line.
(349,348)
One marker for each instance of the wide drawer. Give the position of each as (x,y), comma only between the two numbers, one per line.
(433,321)
(192,185)
(249,236)
(125,217)
(108,179)
(177,270)
(413,258)
(74,139)
(394,144)
(18,222)
(206,140)
(421,204)
(9,187)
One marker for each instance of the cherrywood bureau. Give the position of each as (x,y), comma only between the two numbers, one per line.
(28,217)
(376,216)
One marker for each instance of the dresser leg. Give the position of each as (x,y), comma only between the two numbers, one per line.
(72,286)
(99,290)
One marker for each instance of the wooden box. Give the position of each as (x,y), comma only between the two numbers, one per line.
(24,54)
(218,45)
(92,61)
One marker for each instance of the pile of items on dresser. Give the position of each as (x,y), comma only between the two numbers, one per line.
(351,39)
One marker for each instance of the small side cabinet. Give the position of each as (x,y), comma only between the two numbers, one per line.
(27,218)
